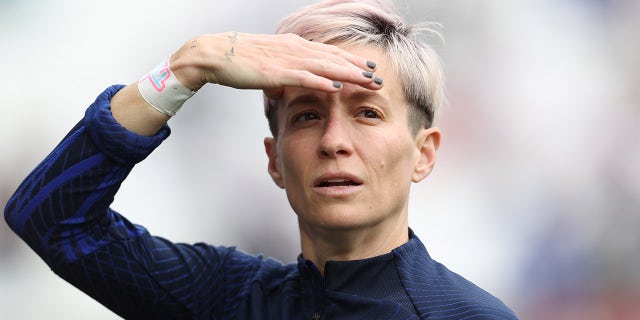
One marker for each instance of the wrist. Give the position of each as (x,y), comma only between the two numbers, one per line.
(186,71)
(162,90)
(199,60)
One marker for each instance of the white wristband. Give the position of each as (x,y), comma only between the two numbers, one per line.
(162,90)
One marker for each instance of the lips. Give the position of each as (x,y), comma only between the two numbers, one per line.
(337,180)
(337,183)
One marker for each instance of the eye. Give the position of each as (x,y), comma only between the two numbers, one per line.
(369,113)
(306,116)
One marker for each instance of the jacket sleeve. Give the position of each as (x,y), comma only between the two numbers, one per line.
(61,210)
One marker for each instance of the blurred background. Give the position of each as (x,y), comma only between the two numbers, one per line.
(535,197)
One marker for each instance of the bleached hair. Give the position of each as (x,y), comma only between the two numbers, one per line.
(376,24)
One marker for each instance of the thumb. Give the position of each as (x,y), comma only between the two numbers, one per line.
(274,93)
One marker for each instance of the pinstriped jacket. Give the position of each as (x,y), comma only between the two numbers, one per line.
(62,211)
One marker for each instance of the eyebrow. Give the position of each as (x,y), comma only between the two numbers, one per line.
(362,95)
(306,98)
(359,95)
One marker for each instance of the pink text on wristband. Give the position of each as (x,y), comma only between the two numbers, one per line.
(162,90)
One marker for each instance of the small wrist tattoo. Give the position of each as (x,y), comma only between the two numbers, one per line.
(229,54)
(233,37)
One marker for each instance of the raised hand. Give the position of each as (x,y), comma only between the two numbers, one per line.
(269,62)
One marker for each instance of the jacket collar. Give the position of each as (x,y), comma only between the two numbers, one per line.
(361,277)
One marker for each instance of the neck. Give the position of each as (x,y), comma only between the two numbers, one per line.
(321,244)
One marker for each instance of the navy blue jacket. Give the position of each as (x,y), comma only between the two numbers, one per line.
(62,211)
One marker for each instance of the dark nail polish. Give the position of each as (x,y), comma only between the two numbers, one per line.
(378,80)
(371,64)
(337,84)
(367,74)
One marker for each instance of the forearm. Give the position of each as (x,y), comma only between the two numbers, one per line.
(145,107)
(134,111)
(135,114)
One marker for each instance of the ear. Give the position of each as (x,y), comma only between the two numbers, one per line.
(273,167)
(427,142)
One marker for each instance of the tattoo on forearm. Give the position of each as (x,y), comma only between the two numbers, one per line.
(230,53)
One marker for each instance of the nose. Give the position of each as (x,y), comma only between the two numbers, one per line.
(336,138)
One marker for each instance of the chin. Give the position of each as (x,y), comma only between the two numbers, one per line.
(340,218)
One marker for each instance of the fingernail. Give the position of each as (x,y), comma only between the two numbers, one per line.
(337,84)
(378,80)
(367,74)
(371,64)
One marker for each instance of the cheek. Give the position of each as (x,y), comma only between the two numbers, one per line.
(395,159)
(294,158)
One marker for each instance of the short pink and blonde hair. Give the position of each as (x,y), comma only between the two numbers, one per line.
(373,23)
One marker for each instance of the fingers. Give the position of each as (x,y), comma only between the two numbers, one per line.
(335,51)
(271,62)
(330,62)
(310,80)
(338,69)
(340,65)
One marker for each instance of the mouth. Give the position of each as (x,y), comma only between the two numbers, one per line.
(337,183)
(337,180)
